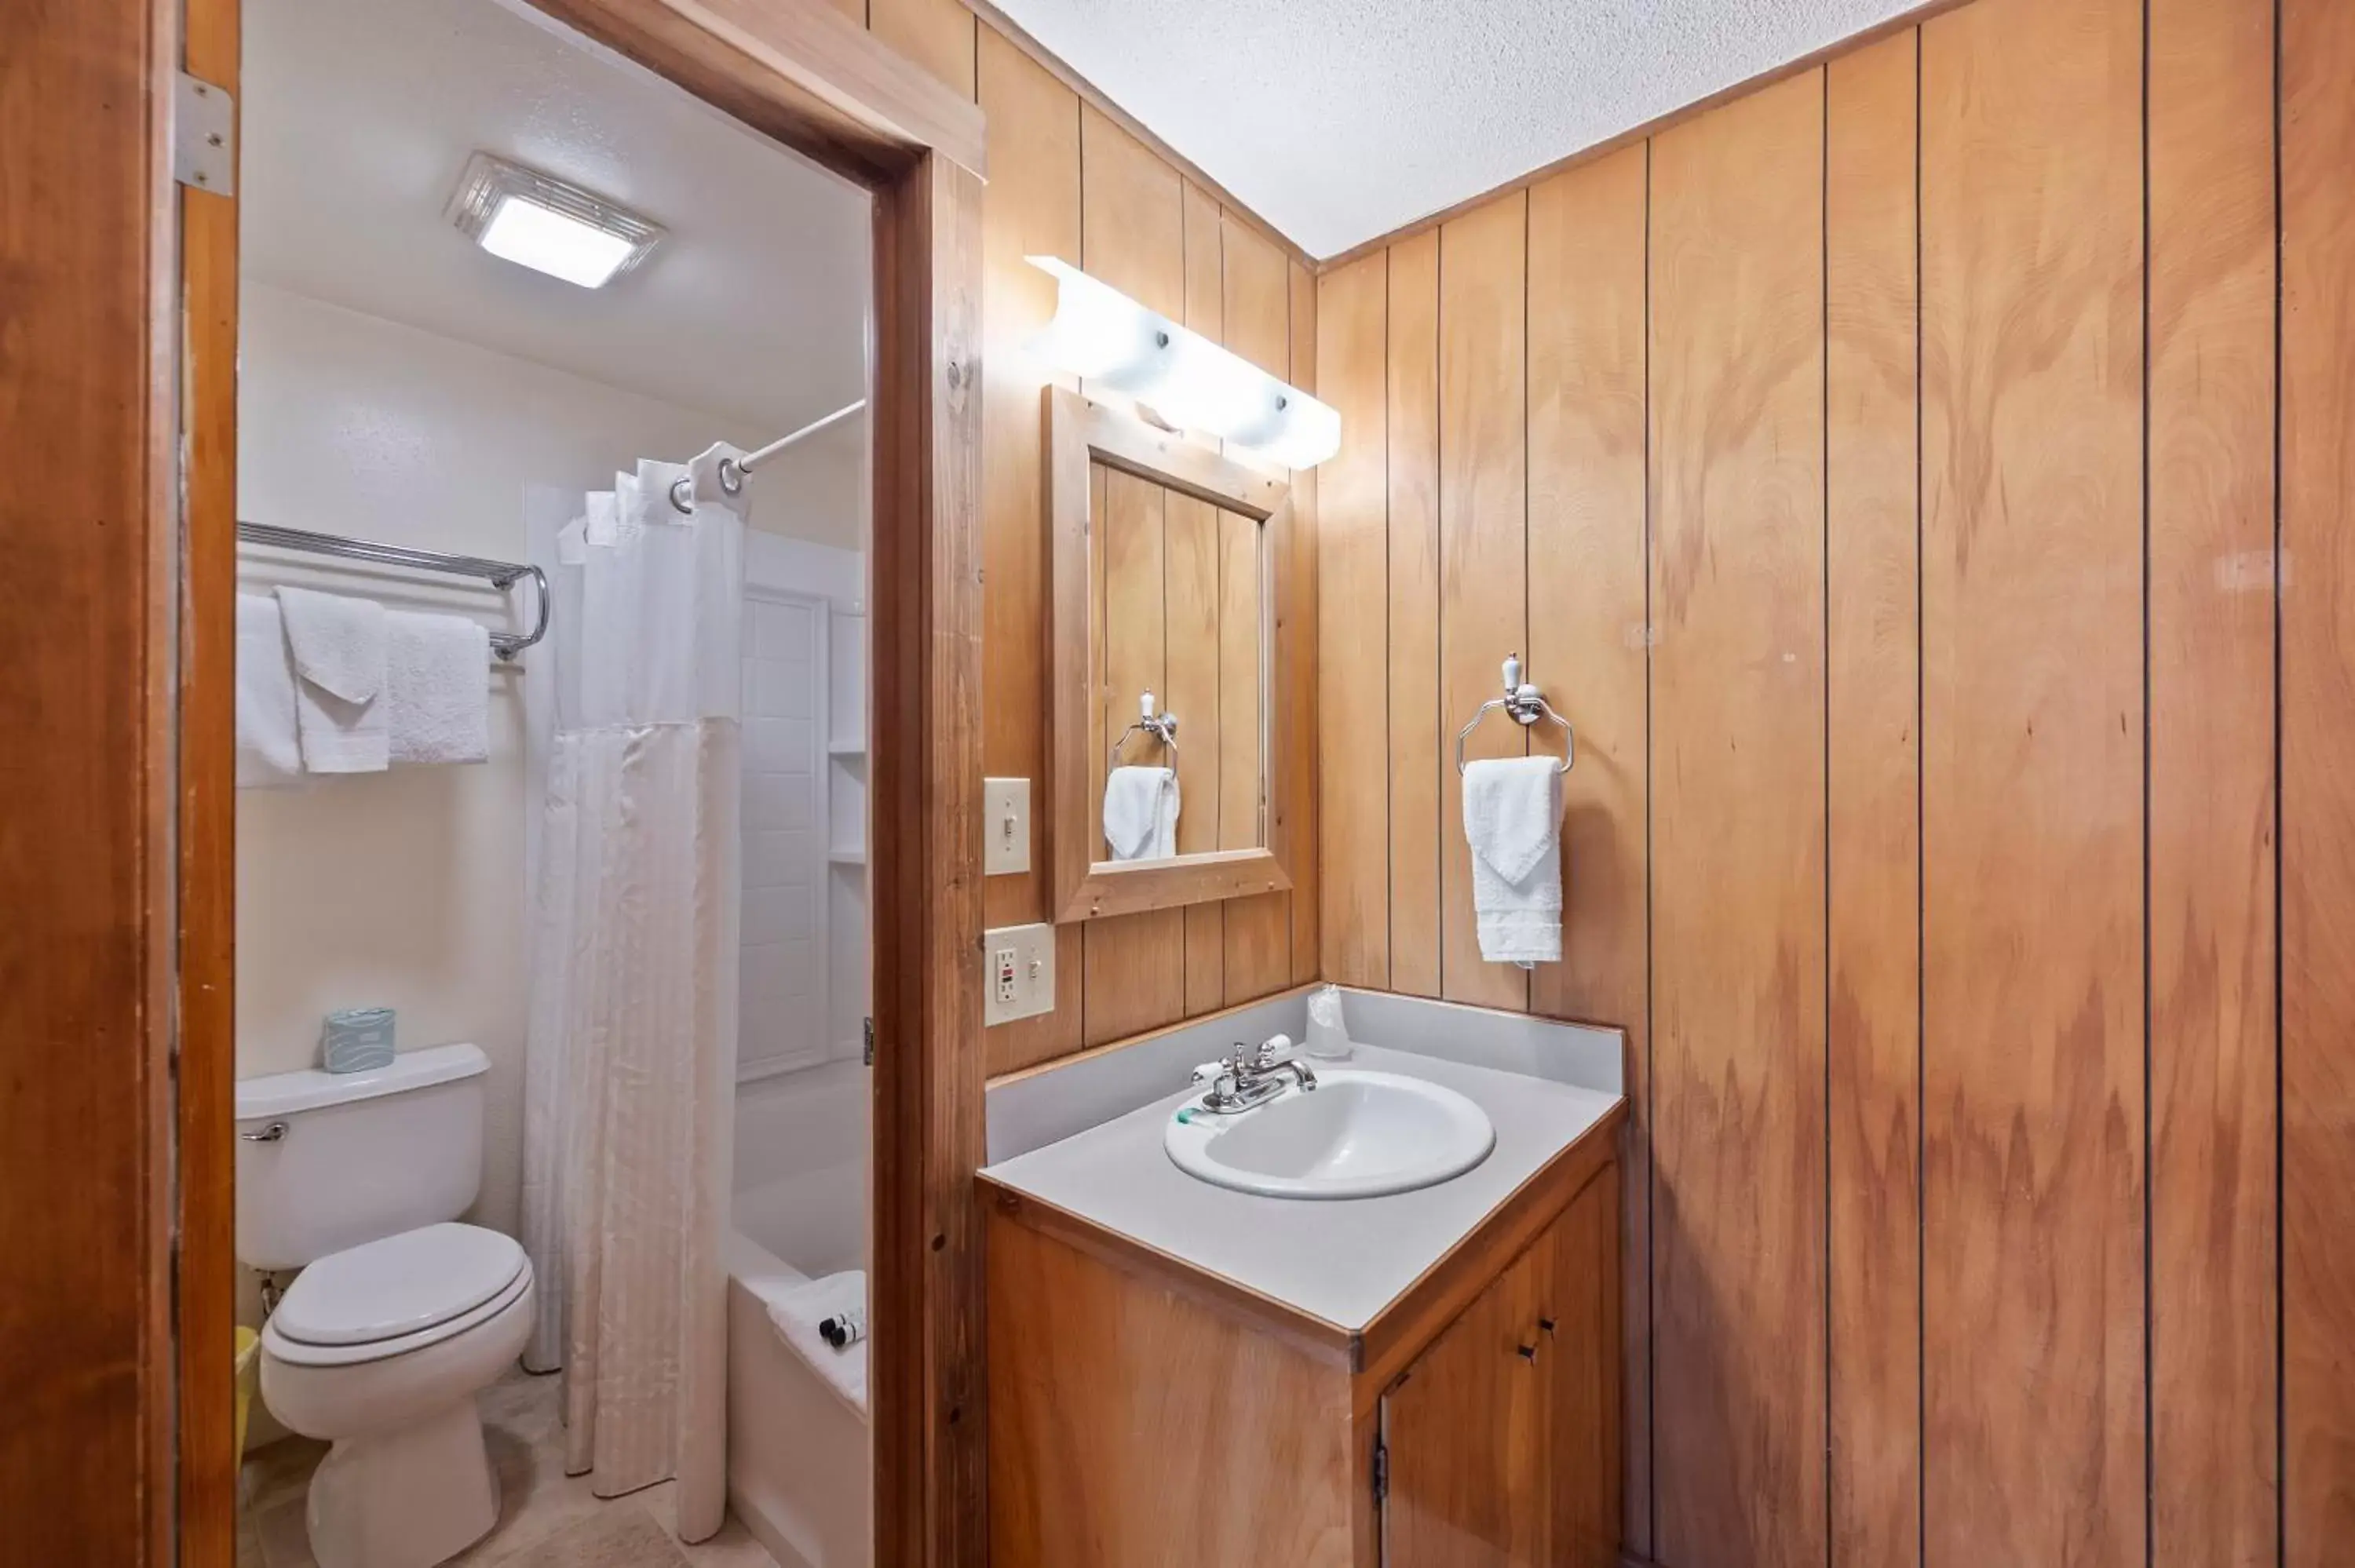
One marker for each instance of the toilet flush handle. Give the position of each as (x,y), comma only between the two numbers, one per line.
(270,1134)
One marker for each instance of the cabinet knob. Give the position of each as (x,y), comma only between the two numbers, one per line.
(1530,1353)
(1547,1324)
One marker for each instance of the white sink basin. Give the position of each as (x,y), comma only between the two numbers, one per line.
(1356,1134)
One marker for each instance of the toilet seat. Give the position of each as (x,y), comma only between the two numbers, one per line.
(399,1294)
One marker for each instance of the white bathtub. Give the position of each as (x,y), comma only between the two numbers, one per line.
(799,1473)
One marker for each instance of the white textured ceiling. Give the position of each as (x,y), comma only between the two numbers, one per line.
(1338,121)
(358,117)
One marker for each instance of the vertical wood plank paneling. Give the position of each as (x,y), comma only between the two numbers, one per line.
(939,34)
(1738,804)
(1137,963)
(2032,783)
(1589,647)
(1134,240)
(1031,205)
(1874,577)
(1413,489)
(2317,674)
(2213,1027)
(1258,303)
(1483,532)
(1203,769)
(1304,623)
(1353,649)
(1195,601)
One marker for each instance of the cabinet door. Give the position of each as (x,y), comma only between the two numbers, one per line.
(1503,1437)
(1579,1294)
(1466,1428)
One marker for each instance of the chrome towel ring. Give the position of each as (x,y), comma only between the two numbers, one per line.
(1526,704)
(1162,727)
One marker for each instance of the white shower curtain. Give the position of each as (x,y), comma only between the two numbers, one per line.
(628,1114)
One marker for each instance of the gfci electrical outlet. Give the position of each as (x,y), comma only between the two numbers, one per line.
(1005,826)
(1021,979)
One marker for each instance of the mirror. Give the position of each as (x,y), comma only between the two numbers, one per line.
(1178,672)
(1169,559)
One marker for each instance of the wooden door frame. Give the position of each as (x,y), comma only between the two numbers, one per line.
(117,650)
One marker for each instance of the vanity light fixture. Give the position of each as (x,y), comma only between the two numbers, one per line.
(1100,333)
(548,224)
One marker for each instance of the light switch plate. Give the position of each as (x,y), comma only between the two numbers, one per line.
(1005,826)
(1017,972)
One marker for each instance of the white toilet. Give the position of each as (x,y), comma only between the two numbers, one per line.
(400,1314)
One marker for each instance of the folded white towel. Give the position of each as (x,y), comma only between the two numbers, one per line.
(1140,813)
(268,754)
(437,689)
(338,644)
(798,1313)
(1512,819)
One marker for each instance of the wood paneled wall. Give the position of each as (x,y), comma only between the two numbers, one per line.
(1067,179)
(1880,470)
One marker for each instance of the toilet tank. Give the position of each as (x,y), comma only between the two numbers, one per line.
(327,1160)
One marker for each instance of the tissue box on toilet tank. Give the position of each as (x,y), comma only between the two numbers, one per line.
(356,1039)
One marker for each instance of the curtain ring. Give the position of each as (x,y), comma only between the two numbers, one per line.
(682,496)
(731,476)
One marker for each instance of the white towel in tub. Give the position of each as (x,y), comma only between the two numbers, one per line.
(798,1311)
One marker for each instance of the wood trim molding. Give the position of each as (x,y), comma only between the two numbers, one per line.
(89,664)
(1912,18)
(928,1377)
(800,70)
(203,1278)
(1078,433)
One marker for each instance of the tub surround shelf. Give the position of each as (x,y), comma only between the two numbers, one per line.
(847,854)
(1355,1381)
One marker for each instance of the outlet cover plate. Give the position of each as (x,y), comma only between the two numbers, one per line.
(1005,826)
(1033,991)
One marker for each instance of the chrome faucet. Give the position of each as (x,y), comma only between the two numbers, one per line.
(1246,1080)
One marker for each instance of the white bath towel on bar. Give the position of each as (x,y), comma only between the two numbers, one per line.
(437,688)
(1140,813)
(338,644)
(268,754)
(1512,819)
(798,1313)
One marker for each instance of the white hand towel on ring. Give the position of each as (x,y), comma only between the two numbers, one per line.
(1140,813)
(1512,819)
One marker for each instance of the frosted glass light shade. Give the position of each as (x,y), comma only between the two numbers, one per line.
(1100,333)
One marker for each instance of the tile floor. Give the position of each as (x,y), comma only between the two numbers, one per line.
(547,1519)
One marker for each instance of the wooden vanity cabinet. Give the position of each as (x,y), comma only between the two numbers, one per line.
(1144,1413)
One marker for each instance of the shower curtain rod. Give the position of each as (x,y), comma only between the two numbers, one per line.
(733,469)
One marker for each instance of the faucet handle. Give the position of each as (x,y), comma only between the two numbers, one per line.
(1273,1048)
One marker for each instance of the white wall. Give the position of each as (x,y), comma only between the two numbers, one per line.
(406,888)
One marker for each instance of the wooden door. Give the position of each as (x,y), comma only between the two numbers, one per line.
(1503,1437)
(1465,1429)
(1578,1353)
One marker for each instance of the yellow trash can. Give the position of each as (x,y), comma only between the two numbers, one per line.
(249,1376)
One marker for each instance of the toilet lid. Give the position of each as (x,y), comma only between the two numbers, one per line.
(402,1285)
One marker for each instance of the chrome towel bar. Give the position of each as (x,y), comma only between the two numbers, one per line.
(501,574)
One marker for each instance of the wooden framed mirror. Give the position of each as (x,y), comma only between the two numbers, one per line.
(1162,660)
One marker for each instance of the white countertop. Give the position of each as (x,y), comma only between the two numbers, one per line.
(1341,1260)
